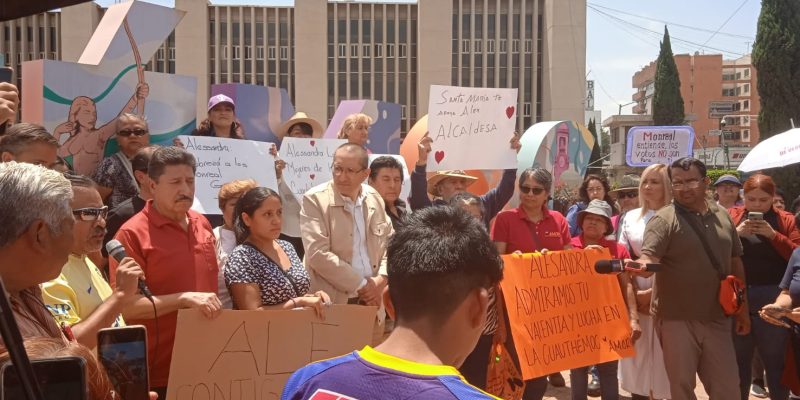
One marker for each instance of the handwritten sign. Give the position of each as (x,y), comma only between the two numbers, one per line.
(471,128)
(308,162)
(221,160)
(649,145)
(405,190)
(562,314)
(251,354)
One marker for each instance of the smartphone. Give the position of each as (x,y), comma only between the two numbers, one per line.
(123,353)
(755,216)
(62,378)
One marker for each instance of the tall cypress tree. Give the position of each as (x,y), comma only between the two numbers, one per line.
(776,58)
(595,165)
(667,100)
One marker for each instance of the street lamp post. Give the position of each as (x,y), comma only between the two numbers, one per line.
(722,123)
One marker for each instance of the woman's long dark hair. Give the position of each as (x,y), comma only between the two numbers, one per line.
(583,192)
(206,129)
(248,204)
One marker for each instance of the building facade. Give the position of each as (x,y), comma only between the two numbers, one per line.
(705,79)
(323,52)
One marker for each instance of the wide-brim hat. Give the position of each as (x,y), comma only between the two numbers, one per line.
(300,117)
(442,175)
(601,208)
(218,99)
(728,179)
(628,182)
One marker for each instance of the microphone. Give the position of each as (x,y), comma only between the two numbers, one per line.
(117,250)
(616,266)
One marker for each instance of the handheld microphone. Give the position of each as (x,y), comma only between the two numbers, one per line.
(117,250)
(615,266)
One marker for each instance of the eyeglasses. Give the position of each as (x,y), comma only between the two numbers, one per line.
(527,190)
(91,213)
(594,190)
(627,195)
(134,132)
(689,184)
(337,170)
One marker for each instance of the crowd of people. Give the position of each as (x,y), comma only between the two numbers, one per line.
(430,263)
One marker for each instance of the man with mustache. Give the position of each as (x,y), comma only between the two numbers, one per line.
(176,249)
(80,297)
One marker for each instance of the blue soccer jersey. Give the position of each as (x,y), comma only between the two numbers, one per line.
(370,374)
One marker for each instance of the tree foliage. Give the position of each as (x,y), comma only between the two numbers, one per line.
(667,100)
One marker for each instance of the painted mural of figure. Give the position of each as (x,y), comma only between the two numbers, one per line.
(79,136)
(562,159)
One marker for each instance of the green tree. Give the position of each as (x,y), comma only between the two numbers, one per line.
(667,100)
(776,57)
(595,164)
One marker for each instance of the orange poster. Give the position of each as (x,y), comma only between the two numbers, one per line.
(562,314)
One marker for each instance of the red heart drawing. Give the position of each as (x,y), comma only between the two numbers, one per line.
(312,142)
(510,111)
(438,156)
(312,176)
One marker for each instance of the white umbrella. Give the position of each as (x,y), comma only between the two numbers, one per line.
(777,151)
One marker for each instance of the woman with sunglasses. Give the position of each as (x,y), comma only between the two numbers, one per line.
(529,228)
(644,375)
(114,175)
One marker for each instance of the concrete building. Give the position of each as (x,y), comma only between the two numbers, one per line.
(323,52)
(705,79)
(618,127)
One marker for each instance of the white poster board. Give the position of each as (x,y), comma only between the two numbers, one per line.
(649,145)
(222,160)
(471,128)
(308,162)
(405,191)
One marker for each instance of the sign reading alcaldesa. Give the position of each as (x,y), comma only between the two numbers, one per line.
(649,145)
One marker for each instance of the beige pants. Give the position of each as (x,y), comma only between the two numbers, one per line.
(703,348)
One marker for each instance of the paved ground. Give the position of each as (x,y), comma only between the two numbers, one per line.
(564,393)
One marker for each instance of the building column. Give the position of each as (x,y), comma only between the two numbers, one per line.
(311,58)
(564,64)
(434,58)
(78,23)
(192,48)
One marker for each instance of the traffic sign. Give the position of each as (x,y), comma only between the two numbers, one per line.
(719,109)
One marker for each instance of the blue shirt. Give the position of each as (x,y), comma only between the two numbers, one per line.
(370,374)
(791,278)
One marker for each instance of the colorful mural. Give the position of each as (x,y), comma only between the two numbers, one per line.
(562,147)
(384,133)
(80,102)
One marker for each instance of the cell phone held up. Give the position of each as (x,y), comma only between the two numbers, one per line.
(123,353)
(755,216)
(5,76)
(62,378)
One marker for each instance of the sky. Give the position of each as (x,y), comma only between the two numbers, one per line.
(622,36)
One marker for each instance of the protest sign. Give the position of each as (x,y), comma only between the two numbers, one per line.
(471,128)
(405,190)
(562,314)
(649,145)
(221,160)
(308,162)
(251,354)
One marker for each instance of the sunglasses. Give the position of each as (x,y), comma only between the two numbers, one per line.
(527,190)
(134,132)
(627,195)
(91,213)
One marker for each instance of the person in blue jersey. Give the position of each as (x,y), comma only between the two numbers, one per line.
(441,265)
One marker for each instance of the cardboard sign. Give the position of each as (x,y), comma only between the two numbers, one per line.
(405,191)
(308,162)
(649,145)
(471,128)
(251,354)
(221,160)
(562,314)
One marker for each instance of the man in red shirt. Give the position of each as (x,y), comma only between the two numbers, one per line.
(175,248)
